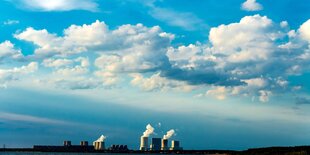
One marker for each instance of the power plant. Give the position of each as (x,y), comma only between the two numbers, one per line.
(157,144)
(99,145)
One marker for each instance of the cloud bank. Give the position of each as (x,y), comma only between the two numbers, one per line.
(253,57)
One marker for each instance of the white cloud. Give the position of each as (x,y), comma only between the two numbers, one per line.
(264,95)
(284,24)
(248,58)
(127,49)
(156,82)
(185,20)
(7,75)
(219,92)
(11,22)
(304,31)
(56,5)
(247,52)
(250,39)
(251,5)
(56,62)
(8,51)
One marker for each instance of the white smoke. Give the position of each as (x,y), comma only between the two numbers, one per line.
(101,139)
(149,130)
(169,134)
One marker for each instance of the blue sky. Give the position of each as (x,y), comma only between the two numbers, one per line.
(223,75)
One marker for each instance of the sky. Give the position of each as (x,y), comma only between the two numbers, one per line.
(222,75)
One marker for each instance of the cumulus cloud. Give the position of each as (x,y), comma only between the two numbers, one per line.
(219,92)
(8,51)
(70,74)
(7,75)
(50,62)
(241,59)
(251,57)
(304,31)
(251,5)
(156,82)
(56,5)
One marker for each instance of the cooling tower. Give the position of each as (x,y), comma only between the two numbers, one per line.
(99,145)
(84,143)
(164,144)
(67,143)
(175,145)
(144,143)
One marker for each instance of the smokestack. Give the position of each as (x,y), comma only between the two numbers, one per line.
(164,144)
(99,144)
(143,143)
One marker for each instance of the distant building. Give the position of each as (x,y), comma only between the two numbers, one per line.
(118,148)
(67,147)
(156,144)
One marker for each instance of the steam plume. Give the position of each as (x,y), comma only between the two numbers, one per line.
(149,130)
(169,134)
(101,138)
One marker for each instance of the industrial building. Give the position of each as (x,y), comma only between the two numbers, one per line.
(156,144)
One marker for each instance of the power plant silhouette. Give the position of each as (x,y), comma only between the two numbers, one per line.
(157,144)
